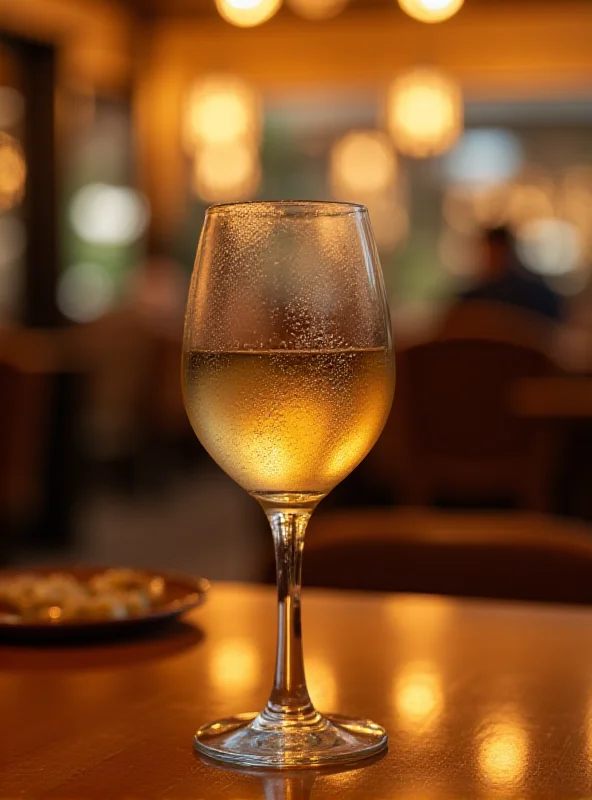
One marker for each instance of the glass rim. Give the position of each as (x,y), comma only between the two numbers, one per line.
(317,208)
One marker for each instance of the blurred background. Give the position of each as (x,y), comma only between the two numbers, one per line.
(466,130)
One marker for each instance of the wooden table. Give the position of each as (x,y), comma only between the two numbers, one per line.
(481,700)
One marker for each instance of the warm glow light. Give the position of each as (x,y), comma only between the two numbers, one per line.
(421,619)
(577,206)
(530,202)
(468,209)
(457,209)
(85,292)
(224,173)
(112,215)
(362,162)
(363,168)
(503,753)
(417,696)
(431,10)
(13,172)
(221,109)
(321,682)
(235,665)
(549,246)
(389,220)
(491,206)
(424,112)
(317,9)
(247,13)
(458,253)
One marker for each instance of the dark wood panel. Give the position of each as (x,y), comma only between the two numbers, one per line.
(41,196)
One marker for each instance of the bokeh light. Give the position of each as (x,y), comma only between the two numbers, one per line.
(12,107)
(503,752)
(458,253)
(13,172)
(569,284)
(458,208)
(491,205)
(529,202)
(321,682)
(424,111)
(468,208)
(227,172)
(235,665)
(549,246)
(551,217)
(247,13)
(484,157)
(422,619)
(575,202)
(417,696)
(363,169)
(85,292)
(389,220)
(431,10)
(317,9)
(362,161)
(109,215)
(221,109)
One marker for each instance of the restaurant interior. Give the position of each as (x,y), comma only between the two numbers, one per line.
(448,578)
(465,128)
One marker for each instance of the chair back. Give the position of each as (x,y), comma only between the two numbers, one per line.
(507,555)
(452,429)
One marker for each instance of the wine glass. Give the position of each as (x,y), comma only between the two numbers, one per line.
(288,378)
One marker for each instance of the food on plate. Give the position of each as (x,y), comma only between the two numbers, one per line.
(61,596)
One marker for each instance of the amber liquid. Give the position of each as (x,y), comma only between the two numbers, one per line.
(288,421)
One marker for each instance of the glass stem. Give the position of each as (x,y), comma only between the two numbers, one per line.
(289,699)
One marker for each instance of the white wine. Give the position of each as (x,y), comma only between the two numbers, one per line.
(288,424)
(288,421)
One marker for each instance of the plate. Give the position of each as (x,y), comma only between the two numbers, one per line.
(181,594)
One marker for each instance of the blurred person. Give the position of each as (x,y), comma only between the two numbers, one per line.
(506,281)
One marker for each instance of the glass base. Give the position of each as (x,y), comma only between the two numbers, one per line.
(248,740)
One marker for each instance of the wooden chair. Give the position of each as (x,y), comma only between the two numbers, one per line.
(511,555)
(452,434)
(478,319)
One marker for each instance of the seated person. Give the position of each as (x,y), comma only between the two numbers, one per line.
(505,280)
